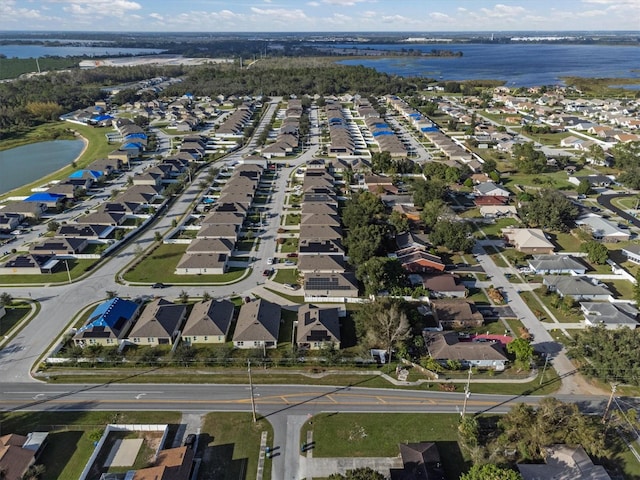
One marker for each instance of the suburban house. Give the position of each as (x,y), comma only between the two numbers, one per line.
(556,264)
(109,322)
(258,325)
(318,327)
(528,240)
(451,313)
(90,232)
(490,189)
(632,252)
(19,452)
(338,285)
(321,264)
(610,315)
(9,221)
(594,180)
(64,246)
(564,462)
(170,464)
(415,259)
(211,263)
(447,346)
(580,288)
(159,323)
(498,211)
(440,285)
(29,265)
(51,200)
(25,209)
(421,461)
(603,229)
(208,322)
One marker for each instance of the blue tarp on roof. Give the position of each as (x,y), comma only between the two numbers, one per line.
(383,132)
(381,125)
(111,313)
(44,197)
(136,135)
(81,173)
(101,118)
(415,115)
(429,129)
(132,145)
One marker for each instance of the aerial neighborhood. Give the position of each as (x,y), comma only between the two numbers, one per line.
(444,242)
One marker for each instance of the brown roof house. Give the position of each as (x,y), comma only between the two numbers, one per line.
(318,327)
(159,323)
(456,313)
(258,325)
(171,464)
(421,461)
(208,322)
(441,285)
(447,346)
(337,285)
(18,453)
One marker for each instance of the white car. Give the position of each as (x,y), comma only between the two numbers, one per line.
(269,261)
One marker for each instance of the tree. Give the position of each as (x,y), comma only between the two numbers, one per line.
(489,166)
(584,187)
(382,323)
(522,350)
(184,296)
(206,296)
(490,472)
(398,221)
(157,236)
(433,210)
(362,473)
(6,299)
(379,274)
(527,159)
(596,252)
(365,242)
(549,210)
(456,236)
(53,226)
(424,191)
(636,289)
(362,209)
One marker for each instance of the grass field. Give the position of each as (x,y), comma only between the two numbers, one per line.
(378,435)
(97,147)
(231,443)
(70,441)
(13,316)
(159,265)
(77,267)
(14,67)
(286,275)
(555,180)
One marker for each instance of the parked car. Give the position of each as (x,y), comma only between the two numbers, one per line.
(291,286)
(270,261)
(158,285)
(190,440)
(292,255)
(267,272)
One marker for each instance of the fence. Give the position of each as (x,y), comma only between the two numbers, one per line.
(122,428)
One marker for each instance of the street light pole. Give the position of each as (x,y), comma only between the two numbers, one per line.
(253,402)
(66,263)
(467,394)
(544,369)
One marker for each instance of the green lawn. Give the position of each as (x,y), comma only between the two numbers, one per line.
(620,288)
(478,296)
(97,148)
(290,245)
(69,445)
(563,316)
(159,265)
(494,230)
(13,316)
(76,268)
(286,275)
(626,203)
(552,139)
(231,443)
(555,180)
(292,219)
(378,435)
(566,241)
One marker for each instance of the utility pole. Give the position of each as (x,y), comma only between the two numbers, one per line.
(544,369)
(253,402)
(467,394)
(606,410)
(66,262)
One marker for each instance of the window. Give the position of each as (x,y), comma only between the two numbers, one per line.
(206,338)
(136,340)
(149,340)
(240,344)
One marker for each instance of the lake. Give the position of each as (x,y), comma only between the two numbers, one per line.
(36,51)
(23,165)
(519,65)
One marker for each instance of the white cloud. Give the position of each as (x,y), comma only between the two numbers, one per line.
(10,14)
(343,3)
(440,17)
(503,11)
(98,8)
(157,16)
(313,4)
(280,14)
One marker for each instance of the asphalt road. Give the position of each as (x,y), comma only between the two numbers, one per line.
(605,201)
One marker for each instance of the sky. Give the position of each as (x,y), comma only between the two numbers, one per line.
(319,15)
